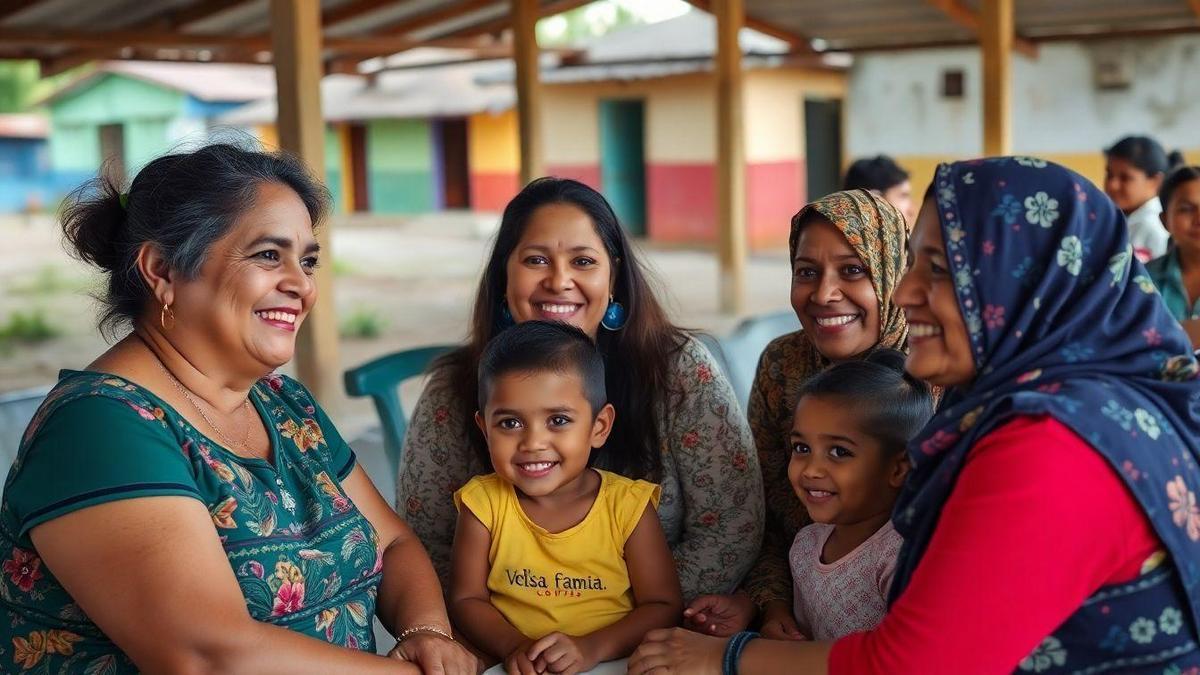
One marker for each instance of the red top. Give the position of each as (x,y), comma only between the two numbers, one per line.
(1037,522)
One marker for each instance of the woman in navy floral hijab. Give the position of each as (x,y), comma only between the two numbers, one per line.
(1050,519)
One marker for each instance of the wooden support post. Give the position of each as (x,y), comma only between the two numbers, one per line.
(296,45)
(529,88)
(996,44)
(731,179)
(349,199)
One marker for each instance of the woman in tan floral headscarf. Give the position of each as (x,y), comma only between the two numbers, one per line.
(847,252)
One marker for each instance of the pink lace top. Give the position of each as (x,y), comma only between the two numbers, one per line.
(845,596)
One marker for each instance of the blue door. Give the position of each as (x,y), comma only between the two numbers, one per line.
(623,161)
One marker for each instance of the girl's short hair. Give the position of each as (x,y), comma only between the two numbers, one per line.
(895,405)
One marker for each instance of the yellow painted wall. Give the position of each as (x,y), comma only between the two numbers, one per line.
(680,119)
(775,109)
(1090,165)
(681,115)
(492,145)
(571,124)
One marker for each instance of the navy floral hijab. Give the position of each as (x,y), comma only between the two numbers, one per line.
(1064,322)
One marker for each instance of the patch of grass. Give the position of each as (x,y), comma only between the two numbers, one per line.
(48,280)
(362,323)
(28,328)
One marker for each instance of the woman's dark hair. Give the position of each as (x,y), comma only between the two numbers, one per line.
(544,347)
(1145,153)
(181,203)
(1184,174)
(880,173)
(895,405)
(638,357)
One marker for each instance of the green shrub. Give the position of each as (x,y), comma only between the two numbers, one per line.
(28,328)
(362,323)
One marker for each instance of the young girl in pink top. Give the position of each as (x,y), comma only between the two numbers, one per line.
(848,462)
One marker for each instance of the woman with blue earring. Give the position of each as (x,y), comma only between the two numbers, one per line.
(561,255)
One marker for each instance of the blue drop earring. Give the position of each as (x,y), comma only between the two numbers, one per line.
(506,318)
(614,316)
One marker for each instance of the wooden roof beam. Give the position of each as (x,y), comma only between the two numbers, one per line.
(968,18)
(352,10)
(798,43)
(434,17)
(501,23)
(14,7)
(170,20)
(475,31)
(365,46)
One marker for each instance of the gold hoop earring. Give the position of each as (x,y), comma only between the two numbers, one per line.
(166,318)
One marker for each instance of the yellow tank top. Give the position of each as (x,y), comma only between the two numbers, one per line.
(574,581)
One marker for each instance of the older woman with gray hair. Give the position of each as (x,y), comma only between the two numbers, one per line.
(178,507)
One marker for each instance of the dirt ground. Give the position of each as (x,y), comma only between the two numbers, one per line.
(414,277)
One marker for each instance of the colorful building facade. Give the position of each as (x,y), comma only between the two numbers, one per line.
(126,113)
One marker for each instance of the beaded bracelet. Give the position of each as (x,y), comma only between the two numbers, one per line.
(733,651)
(424,628)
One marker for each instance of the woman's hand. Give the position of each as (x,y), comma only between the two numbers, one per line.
(436,654)
(678,650)
(778,622)
(720,615)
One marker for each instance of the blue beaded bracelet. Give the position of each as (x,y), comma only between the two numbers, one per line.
(733,651)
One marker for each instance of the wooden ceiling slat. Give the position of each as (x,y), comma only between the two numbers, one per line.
(968,18)
(437,16)
(353,10)
(501,23)
(14,7)
(170,20)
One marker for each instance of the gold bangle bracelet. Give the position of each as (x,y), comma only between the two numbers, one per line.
(424,628)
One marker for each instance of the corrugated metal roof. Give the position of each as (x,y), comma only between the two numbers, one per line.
(237,29)
(431,91)
(873,24)
(205,81)
(24,125)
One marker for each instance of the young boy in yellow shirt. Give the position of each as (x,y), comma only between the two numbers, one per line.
(556,566)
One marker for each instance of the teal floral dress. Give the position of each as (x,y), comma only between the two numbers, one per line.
(305,557)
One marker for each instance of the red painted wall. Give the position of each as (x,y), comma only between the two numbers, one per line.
(492,191)
(774,193)
(681,202)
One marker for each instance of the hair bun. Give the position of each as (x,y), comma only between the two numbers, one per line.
(1175,159)
(93,222)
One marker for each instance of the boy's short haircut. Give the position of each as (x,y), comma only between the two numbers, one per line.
(544,346)
(897,405)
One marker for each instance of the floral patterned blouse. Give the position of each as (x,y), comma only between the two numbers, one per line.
(305,557)
(711,507)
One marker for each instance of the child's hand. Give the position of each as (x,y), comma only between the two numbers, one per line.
(720,615)
(559,653)
(778,622)
(519,663)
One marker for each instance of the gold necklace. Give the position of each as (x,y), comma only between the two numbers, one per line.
(195,404)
